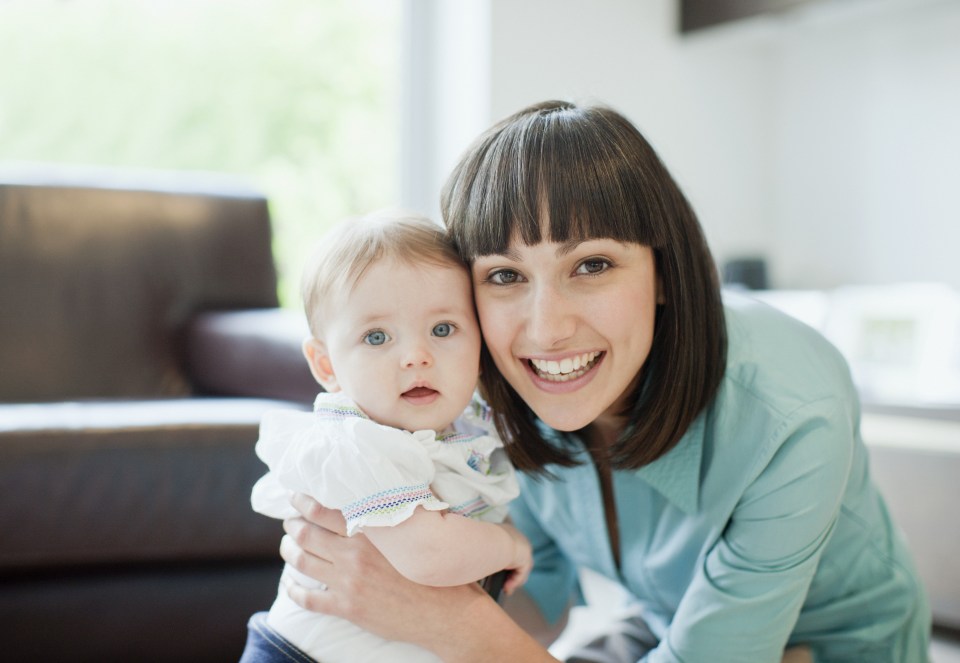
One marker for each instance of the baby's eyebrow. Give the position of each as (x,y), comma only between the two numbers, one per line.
(373,319)
(449,311)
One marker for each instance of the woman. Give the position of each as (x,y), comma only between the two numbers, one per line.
(703,452)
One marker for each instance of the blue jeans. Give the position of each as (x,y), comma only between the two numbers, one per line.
(264,645)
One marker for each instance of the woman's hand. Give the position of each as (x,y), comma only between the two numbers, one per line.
(522,562)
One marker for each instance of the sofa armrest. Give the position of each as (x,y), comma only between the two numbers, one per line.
(254,353)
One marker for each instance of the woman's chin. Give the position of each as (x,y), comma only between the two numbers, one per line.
(565,419)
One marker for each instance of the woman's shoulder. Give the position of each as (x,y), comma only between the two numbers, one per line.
(779,359)
(784,381)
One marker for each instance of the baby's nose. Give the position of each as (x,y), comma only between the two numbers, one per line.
(417,355)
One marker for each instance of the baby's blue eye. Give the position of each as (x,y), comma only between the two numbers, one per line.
(443,329)
(376,338)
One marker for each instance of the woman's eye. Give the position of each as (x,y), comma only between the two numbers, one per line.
(593,266)
(376,337)
(443,329)
(504,277)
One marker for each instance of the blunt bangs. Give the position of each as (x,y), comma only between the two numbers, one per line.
(562,170)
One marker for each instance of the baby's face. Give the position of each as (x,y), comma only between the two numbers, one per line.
(404,344)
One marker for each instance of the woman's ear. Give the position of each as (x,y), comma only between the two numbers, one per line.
(318,358)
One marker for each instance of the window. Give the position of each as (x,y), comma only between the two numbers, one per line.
(298,96)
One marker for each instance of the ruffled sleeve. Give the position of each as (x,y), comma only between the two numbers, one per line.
(375,475)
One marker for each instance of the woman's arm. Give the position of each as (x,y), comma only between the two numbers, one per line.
(443,549)
(364,588)
(746,596)
(525,613)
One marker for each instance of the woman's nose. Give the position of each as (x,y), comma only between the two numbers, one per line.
(550,320)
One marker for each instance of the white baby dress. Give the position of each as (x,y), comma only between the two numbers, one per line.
(376,476)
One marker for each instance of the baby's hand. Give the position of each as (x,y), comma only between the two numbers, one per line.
(522,560)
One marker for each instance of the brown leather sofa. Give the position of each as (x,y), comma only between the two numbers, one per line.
(140,341)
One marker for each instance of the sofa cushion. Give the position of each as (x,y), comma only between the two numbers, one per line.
(100,483)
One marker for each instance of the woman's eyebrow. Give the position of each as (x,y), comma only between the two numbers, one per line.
(571,245)
(563,249)
(508,253)
(568,247)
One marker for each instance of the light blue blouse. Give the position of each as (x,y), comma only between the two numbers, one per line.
(760,529)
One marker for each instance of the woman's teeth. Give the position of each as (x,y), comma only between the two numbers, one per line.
(568,368)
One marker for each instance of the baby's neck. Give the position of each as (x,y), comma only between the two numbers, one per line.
(449,428)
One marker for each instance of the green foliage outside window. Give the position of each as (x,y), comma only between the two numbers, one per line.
(298,96)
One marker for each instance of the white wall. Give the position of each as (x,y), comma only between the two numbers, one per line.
(868,147)
(827,140)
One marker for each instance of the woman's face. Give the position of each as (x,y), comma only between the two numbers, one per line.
(569,325)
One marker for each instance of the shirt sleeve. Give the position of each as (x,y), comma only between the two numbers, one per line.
(553,581)
(747,594)
(375,475)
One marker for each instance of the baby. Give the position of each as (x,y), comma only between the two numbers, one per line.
(399,443)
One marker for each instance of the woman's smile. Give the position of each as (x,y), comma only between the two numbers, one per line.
(566,379)
(565,369)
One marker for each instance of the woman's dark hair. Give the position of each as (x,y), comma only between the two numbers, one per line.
(558,172)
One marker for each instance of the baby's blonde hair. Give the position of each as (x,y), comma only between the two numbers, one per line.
(351,246)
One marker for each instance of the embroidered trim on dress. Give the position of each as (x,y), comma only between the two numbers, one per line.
(337,411)
(388,502)
(456,438)
(471,509)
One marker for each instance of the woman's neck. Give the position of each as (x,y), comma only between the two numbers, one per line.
(600,437)
(604,432)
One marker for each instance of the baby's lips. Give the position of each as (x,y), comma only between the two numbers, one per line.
(419,392)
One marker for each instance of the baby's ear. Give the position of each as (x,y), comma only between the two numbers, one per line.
(318,358)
